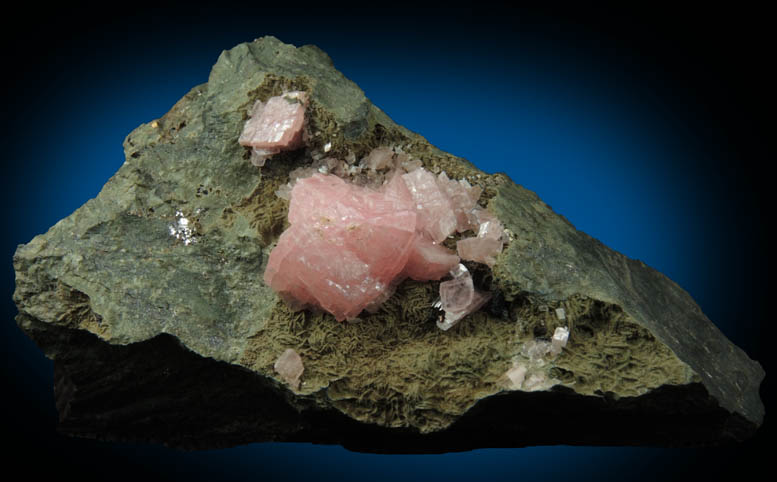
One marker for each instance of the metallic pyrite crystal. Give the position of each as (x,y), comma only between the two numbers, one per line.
(150,298)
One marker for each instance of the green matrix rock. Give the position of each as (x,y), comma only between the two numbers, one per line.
(162,330)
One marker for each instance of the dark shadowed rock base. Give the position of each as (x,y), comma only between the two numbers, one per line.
(158,391)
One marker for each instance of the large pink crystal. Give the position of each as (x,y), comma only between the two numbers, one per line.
(275,126)
(348,246)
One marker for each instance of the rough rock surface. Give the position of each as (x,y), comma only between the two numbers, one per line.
(149,299)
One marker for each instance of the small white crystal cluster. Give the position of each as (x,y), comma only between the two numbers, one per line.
(535,354)
(537,350)
(182,229)
(371,171)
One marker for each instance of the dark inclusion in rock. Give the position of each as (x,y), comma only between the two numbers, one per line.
(149,300)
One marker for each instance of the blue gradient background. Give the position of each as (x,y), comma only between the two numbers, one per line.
(645,132)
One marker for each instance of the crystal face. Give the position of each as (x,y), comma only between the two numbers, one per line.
(274,126)
(559,340)
(458,297)
(289,367)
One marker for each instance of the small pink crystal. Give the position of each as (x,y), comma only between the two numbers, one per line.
(482,250)
(429,260)
(488,243)
(456,294)
(459,298)
(379,158)
(289,367)
(463,198)
(274,126)
(435,212)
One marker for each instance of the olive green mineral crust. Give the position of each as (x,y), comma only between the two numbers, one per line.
(171,254)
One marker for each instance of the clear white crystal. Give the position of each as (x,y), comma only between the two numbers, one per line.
(535,350)
(516,375)
(181,229)
(457,293)
(458,297)
(536,381)
(559,340)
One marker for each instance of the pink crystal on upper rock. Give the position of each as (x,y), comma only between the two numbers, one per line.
(275,126)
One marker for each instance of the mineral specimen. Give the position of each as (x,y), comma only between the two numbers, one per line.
(156,339)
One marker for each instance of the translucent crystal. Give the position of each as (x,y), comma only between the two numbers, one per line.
(453,317)
(435,212)
(516,375)
(463,199)
(482,250)
(289,367)
(456,294)
(536,381)
(490,229)
(182,229)
(559,340)
(535,350)
(458,297)
(429,260)
(379,158)
(489,240)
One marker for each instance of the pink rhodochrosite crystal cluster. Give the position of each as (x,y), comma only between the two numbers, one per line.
(349,244)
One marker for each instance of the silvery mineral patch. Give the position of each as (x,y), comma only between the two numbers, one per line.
(149,299)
